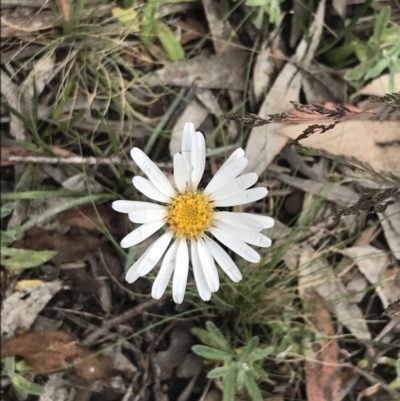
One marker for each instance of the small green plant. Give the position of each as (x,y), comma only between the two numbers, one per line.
(19,382)
(269,7)
(380,52)
(142,21)
(241,367)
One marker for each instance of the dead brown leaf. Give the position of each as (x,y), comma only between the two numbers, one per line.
(322,373)
(73,253)
(96,218)
(47,351)
(181,341)
(266,142)
(225,71)
(393,309)
(356,139)
(70,248)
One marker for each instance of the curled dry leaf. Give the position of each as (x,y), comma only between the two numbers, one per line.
(46,351)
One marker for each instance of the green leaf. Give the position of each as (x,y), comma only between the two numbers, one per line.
(229,387)
(255,3)
(220,341)
(211,339)
(211,353)
(240,379)
(398,367)
(249,348)
(356,73)
(148,23)
(8,237)
(361,50)
(169,42)
(381,22)
(377,69)
(252,388)
(127,17)
(6,209)
(205,337)
(9,364)
(259,372)
(22,366)
(258,21)
(14,258)
(261,353)
(128,3)
(221,371)
(25,386)
(340,55)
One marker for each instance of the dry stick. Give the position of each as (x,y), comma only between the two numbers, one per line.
(91,161)
(64,160)
(129,314)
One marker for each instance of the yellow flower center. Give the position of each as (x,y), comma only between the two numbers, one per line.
(190,214)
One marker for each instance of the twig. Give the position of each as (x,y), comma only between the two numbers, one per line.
(64,160)
(92,161)
(129,314)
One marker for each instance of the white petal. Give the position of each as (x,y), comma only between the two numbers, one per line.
(251,237)
(234,187)
(266,221)
(223,259)
(236,245)
(126,206)
(181,271)
(156,176)
(188,132)
(141,233)
(201,282)
(156,250)
(198,158)
(251,195)
(237,154)
(148,215)
(148,189)
(131,275)
(208,265)
(224,176)
(164,275)
(239,220)
(180,172)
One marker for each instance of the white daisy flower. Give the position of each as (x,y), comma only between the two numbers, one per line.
(188,214)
